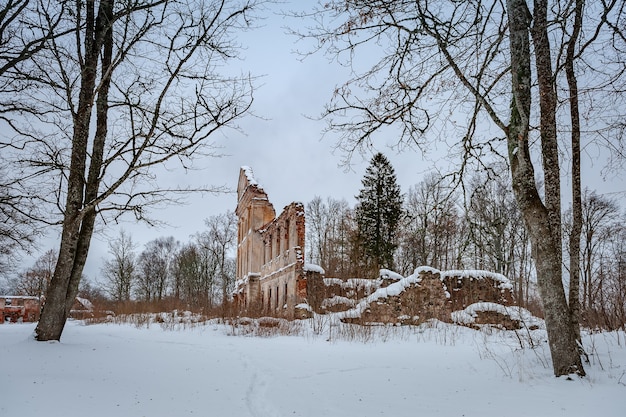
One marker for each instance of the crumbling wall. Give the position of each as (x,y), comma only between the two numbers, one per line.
(270,278)
(508,317)
(469,287)
(329,295)
(283,281)
(426,295)
(419,301)
(315,290)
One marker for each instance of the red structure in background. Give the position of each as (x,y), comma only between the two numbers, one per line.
(14,308)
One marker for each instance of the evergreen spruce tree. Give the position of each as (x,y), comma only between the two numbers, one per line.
(378,214)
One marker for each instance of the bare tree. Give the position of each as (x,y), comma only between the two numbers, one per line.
(488,215)
(576,229)
(495,237)
(218,240)
(614,274)
(154,268)
(194,276)
(119,89)
(35,280)
(343,231)
(18,229)
(120,272)
(429,234)
(494,221)
(92,292)
(317,230)
(26,27)
(601,258)
(448,67)
(598,216)
(331,232)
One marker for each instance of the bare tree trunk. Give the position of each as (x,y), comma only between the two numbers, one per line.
(95,166)
(574,238)
(547,128)
(542,221)
(79,221)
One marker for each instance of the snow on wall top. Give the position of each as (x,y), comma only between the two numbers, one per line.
(14,297)
(304,306)
(386,273)
(399,286)
(469,314)
(250,177)
(393,289)
(353,283)
(314,268)
(86,303)
(338,300)
(478,274)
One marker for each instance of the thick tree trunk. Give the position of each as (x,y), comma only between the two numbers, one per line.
(577,211)
(54,315)
(542,222)
(104,31)
(547,126)
(79,216)
(82,250)
(563,347)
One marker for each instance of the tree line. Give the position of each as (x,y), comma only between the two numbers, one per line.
(478,227)
(197,275)
(433,224)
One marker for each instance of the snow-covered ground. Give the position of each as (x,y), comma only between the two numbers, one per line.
(120,370)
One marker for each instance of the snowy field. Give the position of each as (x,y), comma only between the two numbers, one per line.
(205,370)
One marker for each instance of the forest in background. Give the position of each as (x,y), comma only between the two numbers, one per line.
(440,226)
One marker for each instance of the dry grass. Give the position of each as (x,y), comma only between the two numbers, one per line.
(264,327)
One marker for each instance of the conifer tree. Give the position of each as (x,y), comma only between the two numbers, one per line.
(378,214)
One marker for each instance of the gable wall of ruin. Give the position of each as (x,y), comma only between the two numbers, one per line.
(270,252)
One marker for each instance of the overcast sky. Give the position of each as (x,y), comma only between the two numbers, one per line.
(284,147)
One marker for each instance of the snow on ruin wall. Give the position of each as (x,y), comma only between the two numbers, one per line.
(427,294)
(270,252)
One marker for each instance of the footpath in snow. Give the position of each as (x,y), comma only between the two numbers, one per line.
(120,370)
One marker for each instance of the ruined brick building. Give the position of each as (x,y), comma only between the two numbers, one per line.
(271,275)
(24,308)
(273,279)
(14,308)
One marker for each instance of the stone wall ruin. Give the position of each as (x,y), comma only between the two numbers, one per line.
(466,297)
(271,278)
